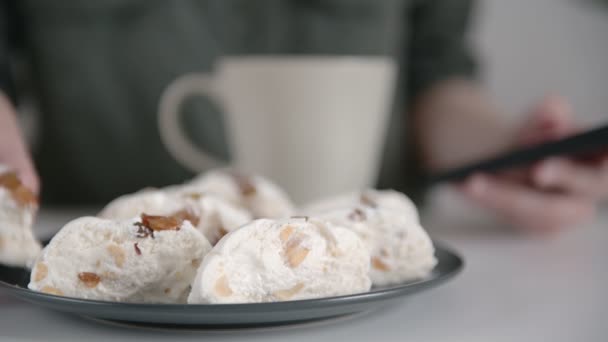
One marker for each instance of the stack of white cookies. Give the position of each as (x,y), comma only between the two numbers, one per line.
(230,238)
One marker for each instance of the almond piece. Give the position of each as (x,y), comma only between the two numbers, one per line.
(186,215)
(286,233)
(295,252)
(222,288)
(117,253)
(41,272)
(52,290)
(379,265)
(9,180)
(157,223)
(89,279)
(288,293)
(24,196)
(20,193)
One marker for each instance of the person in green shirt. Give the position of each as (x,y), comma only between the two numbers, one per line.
(97,69)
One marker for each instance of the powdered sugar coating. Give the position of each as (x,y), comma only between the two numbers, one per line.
(101,259)
(213,216)
(263,198)
(387,222)
(269,260)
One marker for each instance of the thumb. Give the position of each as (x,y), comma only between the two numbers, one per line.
(550,119)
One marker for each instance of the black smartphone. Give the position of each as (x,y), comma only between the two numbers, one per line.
(588,142)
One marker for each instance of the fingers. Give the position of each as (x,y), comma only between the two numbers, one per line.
(551,119)
(554,193)
(554,115)
(526,207)
(569,176)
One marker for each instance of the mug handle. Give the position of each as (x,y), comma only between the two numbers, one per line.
(171,134)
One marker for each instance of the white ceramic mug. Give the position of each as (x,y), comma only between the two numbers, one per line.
(315,125)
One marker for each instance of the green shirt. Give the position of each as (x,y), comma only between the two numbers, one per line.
(99,67)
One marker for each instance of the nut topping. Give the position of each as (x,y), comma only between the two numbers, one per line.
(378,264)
(20,193)
(89,279)
(286,233)
(117,253)
(41,272)
(158,223)
(186,215)
(52,290)
(151,223)
(222,288)
(288,293)
(295,252)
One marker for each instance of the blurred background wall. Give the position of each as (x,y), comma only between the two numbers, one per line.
(531,47)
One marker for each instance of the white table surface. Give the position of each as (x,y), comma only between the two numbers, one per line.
(513,288)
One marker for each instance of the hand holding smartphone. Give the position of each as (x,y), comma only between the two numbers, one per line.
(583,143)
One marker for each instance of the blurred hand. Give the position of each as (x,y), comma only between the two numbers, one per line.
(13,151)
(554,194)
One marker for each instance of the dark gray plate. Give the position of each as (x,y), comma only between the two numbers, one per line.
(223,316)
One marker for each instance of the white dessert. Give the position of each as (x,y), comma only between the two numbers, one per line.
(150,201)
(269,260)
(218,217)
(386,199)
(213,216)
(18,207)
(399,247)
(152,259)
(263,198)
